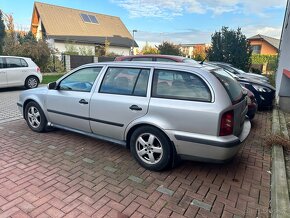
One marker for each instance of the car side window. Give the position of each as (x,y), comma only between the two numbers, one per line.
(1,63)
(13,62)
(81,80)
(179,85)
(164,60)
(125,81)
(142,59)
(127,59)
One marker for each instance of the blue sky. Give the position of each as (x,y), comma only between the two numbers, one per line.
(179,21)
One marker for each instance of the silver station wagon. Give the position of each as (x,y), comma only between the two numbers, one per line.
(160,111)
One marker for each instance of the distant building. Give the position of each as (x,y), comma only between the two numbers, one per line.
(266,45)
(84,30)
(189,49)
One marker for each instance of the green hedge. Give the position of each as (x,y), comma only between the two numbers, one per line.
(263,59)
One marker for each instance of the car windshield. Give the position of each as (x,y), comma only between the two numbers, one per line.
(232,86)
(239,70)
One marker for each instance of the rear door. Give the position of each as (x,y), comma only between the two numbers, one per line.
(121,98)
(16,71)
(3,78)
(182,101)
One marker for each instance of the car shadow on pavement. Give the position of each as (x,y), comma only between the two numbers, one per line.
(12,89)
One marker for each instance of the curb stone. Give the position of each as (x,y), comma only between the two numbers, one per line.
(280,206)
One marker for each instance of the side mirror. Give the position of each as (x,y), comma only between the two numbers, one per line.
(52,85)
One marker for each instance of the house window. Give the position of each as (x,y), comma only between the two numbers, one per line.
(256,49)
(89,18)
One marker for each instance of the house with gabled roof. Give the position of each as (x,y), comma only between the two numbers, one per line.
(62,26)
(262,44)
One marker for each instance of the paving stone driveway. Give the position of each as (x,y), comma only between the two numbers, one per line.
(8,107)
(60,174)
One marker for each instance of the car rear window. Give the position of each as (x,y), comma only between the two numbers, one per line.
(232,86)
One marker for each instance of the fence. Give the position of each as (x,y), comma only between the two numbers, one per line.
(74,61)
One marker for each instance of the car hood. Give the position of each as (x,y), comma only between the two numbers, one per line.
(40,90)
(255,82)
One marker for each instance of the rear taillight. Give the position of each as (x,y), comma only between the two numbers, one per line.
(227,123)
(37,69)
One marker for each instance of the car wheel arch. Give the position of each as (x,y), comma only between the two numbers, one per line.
(25,104)
(136,126)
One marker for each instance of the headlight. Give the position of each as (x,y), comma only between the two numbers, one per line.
(261,88)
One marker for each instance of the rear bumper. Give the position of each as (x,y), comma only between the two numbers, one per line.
(40,77)
(208,148)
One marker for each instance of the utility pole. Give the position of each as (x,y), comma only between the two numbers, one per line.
(133,42)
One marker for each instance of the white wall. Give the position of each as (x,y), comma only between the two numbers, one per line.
(61,46)
(39,31)
(119,50)
(283,82)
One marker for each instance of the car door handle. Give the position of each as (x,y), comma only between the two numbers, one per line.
(135,108)
(83,101)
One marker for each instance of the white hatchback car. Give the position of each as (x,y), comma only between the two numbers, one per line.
(19,71)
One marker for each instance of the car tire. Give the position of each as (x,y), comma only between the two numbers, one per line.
(35,117)
(31,82)
(151,148)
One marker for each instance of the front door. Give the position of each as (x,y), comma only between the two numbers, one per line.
(121,98)
(3,77)
(69,104)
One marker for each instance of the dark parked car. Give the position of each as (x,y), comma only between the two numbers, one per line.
(252,104)
(240,73)
(264,93)
(262,90)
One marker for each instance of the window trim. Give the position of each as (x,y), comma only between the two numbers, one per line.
(132,94)
(77,70)
(154,86)
(255,51)
(6,63)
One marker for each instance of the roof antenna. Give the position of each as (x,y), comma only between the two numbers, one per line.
(203,60)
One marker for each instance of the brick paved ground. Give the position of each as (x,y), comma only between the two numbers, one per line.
(60,174)
(8,107)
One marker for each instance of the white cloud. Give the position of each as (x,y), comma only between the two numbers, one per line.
(196,36)
(189,36)
(171,8)
(264,30)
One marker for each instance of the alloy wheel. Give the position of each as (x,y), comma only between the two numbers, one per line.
(149,148)
(33,117)
(32,82)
